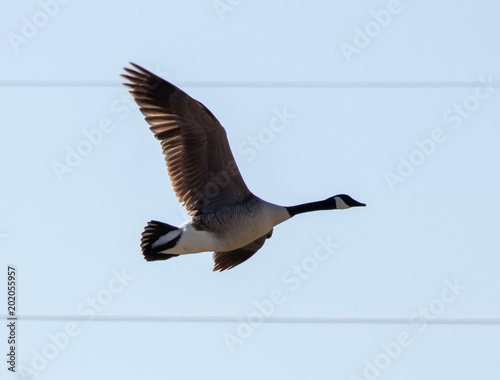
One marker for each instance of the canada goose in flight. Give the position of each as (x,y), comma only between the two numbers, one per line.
(227,218)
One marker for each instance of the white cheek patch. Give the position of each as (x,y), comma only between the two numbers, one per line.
(166,238)
(341,205)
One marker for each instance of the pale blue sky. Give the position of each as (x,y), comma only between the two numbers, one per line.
(405,288)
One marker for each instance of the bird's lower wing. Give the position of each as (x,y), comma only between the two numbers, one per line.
(230,259)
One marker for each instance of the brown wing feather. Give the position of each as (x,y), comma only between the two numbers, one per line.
(230,259)
(199,161)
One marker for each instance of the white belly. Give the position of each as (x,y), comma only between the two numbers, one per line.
(193,241)
(245,229)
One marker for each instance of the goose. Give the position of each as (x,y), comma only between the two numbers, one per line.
(226,218)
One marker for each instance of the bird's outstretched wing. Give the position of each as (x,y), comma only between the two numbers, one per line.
(199,160)
(230,259)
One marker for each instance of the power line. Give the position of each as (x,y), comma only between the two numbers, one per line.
(255,84)
(271,319)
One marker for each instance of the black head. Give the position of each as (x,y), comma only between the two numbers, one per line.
(344,201)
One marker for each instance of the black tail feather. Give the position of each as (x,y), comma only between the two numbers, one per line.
(152,232)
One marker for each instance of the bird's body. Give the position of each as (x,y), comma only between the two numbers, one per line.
(229,228)
(227,218)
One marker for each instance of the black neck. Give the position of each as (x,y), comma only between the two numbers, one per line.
(308,207)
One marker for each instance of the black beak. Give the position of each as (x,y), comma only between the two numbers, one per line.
(358,204)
